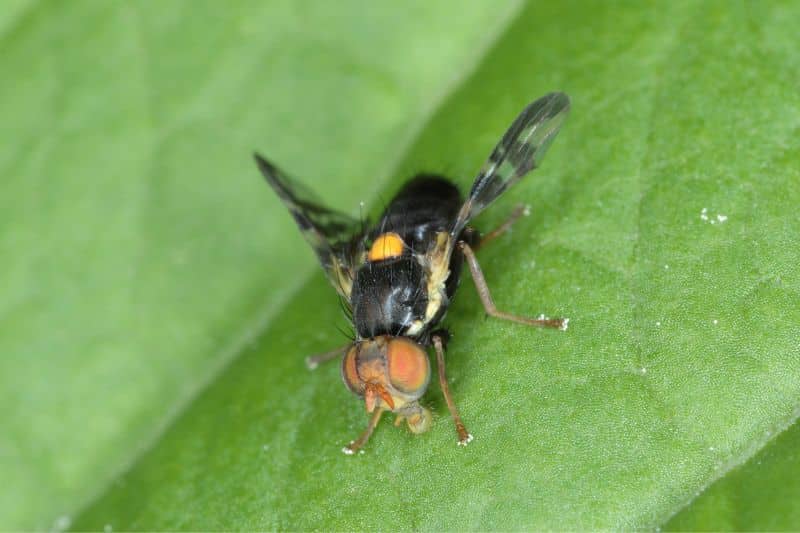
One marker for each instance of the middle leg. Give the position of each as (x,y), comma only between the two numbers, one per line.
(488,303)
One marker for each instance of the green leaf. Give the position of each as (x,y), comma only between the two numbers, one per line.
(681,360)
(761,495)
(141,249)
(678,324)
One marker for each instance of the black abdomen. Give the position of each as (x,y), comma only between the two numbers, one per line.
(426,205)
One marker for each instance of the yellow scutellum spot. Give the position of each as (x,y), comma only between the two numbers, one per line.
(386,246)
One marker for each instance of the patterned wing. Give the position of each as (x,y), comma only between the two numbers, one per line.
(335,237)
(519,151)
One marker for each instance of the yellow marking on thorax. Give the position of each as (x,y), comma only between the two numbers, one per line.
(438,267)
(386,246)
(439,272)
(341,278)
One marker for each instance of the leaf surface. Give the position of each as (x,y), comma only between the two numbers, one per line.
(662,225)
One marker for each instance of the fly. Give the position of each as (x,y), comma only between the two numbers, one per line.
(398,277)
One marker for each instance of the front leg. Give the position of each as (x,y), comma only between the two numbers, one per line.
(464,436)
(357,444)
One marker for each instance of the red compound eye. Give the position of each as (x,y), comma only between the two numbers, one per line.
(409,368)
(350,373)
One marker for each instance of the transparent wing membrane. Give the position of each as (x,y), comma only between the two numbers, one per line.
(519,151)
(333,236)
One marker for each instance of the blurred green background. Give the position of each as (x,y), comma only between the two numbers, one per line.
(156,301)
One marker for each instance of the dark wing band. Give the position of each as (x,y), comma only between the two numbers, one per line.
(519,151)
(334,237)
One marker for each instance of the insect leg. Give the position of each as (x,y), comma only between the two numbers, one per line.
(355,445)
(488,304)
(464,437)
(313,361)
(504,227)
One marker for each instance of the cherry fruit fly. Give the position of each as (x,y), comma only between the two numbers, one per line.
(398,277)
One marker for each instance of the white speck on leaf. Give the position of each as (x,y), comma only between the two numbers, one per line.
(716,321)
(712,219)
